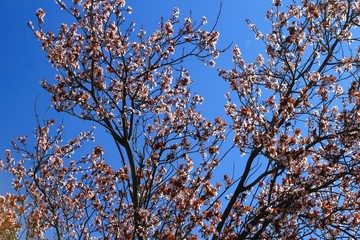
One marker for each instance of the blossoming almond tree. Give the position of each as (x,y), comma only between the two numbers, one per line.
(133,85)
(294,118)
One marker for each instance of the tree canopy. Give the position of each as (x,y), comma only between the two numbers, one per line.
(292,116)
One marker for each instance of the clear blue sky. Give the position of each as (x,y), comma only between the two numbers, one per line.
(23,65)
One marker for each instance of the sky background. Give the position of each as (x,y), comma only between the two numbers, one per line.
(23,64)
